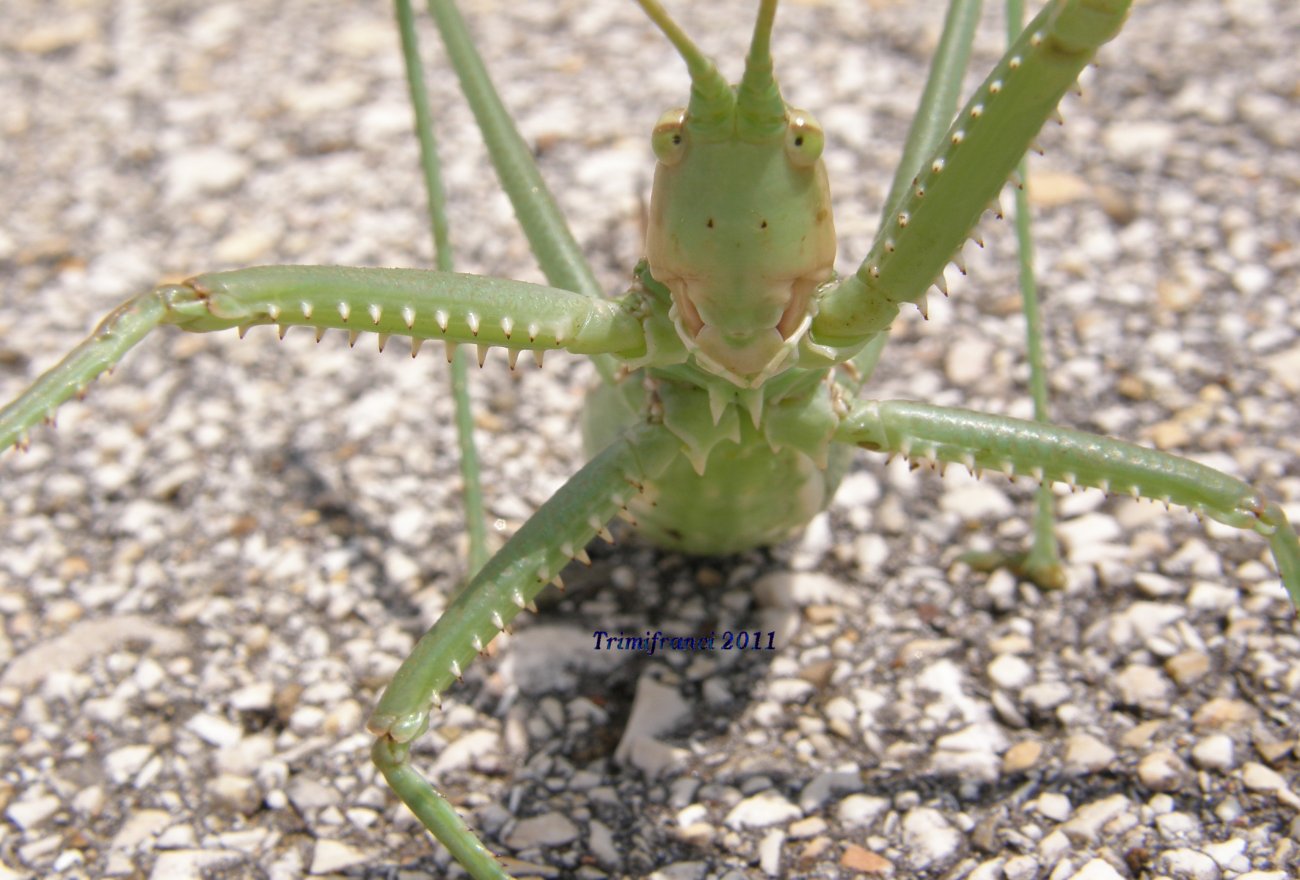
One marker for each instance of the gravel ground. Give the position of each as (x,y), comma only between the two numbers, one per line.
(213,565)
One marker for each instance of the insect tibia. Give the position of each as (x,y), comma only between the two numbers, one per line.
(1048,453)
(512,579)
(964,176)
(414,303)
(116,334)
(1272,522)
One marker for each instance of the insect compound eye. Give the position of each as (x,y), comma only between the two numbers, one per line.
(804,139)
(669,137)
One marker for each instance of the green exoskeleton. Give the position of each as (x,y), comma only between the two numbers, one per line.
(729,404)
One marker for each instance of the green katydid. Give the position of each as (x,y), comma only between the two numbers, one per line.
(745,364)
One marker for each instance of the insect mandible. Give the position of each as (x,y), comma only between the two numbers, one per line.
(340,492)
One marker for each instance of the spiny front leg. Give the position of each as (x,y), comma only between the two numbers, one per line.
(957,184)
(1049,453)
(508,583)
(113,338)
(420,304)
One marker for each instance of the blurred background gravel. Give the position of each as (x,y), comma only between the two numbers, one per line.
(210,569)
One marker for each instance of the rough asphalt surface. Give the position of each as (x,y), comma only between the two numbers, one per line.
(210,569)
